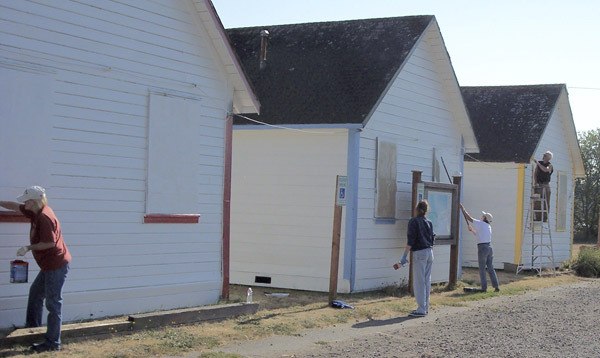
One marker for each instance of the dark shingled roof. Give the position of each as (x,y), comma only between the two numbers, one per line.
(327,72)
(509,120)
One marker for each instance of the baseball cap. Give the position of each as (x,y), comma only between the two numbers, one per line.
(32,193)
(489,217)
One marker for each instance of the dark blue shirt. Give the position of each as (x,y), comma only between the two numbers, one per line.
(420,233)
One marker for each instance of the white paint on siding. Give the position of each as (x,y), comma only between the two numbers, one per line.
(105,59)
(490,187)
(25,108)
(283,191)
(482,179)
(417,115)
(554,139)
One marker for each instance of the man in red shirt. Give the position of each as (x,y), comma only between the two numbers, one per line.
(52,256)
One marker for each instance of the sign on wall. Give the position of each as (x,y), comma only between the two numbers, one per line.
(342,185)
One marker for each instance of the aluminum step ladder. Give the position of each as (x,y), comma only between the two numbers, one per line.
(541,256)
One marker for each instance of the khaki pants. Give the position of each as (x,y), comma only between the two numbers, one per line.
(544,191)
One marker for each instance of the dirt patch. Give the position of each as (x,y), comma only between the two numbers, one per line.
(268,297)
(288,316)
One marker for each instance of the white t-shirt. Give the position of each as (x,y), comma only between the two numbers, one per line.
(483,231)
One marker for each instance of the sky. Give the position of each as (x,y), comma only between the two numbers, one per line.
(490,42)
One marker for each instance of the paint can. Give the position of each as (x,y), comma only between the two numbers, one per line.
(19,270)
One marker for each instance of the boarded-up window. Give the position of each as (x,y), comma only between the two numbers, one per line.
(26,101)
(174,131)
(562,200)
(385,181)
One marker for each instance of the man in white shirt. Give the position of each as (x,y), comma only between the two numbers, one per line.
(482,229)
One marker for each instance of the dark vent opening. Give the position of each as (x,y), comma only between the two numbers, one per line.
(262,279)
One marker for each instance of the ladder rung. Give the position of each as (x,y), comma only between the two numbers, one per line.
(541,256)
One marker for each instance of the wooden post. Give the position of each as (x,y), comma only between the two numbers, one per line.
(416,179)
(335,245)
(453,275)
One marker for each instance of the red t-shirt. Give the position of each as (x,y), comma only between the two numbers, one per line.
(46,228)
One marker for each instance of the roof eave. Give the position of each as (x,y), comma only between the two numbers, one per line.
(452,86)
(571,133)
(244,98)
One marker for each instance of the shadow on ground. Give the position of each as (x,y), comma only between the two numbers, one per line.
(383,322)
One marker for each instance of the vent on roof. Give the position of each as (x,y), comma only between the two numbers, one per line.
(264,41)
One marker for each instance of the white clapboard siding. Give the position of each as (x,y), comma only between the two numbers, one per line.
(554,139)
(415,114)
(491,187)
(282,202)
(103,62)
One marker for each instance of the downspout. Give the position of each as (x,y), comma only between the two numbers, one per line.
(351,207)
(460,200)
(520,207)
(227,205)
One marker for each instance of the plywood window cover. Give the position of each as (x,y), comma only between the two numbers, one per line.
(385,179)
(167,218)
(561,202)
(171,218)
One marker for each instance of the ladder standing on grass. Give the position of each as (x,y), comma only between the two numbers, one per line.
(538,220)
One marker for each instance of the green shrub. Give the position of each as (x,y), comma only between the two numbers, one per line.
(588,262)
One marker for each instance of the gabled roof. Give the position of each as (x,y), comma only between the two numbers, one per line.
(327,72)
(509,121)
(244,97)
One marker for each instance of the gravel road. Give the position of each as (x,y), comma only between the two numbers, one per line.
(560,321)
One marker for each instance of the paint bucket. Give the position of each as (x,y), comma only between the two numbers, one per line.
(19,270)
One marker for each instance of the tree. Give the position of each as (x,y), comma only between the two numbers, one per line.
(587,190)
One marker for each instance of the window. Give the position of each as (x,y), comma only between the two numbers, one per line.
(385,180)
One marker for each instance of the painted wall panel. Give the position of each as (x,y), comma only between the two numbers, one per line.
(554,140)
(491,187)
(104,61)
(282,206)
(482,179)
(25,108)
(418,118)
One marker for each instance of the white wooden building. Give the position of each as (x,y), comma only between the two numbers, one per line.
(338,98)
(120,111)
(514,124)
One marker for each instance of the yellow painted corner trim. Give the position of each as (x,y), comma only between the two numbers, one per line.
(519,212)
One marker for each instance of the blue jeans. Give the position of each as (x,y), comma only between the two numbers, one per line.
(47,285)
(485,256)
(422,264)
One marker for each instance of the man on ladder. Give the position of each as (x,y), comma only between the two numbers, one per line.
(542,175)
(542,252)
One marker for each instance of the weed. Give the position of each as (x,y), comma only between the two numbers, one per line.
(219,355)
(588,262)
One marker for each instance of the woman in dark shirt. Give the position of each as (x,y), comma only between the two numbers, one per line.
(420,238)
